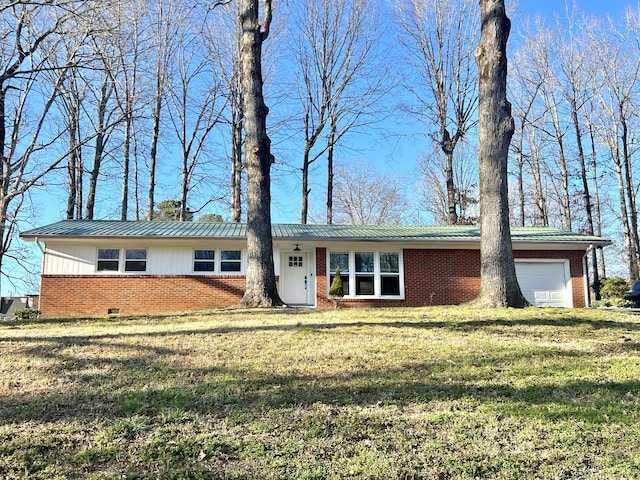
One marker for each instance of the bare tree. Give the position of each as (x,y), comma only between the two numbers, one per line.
(103,127)
(499,285)
(197,99)
(33,67)
(71,107)
(526,86)
(364,197)
(432,192)
(230,36)
(341,79)
(261,290)
(165,32)
(576,86)
(439,37)
(617,106)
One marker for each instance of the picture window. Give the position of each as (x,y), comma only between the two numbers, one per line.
(370,274)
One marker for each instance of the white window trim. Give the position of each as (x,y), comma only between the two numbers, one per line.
(216,257)
(217,268)
(377,283)
(98,259)
(122,261)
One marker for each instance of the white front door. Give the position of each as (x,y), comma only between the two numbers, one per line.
(294,278)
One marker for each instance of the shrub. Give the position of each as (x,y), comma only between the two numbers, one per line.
(614,287)
(26,313)
(612,302)
(336,290)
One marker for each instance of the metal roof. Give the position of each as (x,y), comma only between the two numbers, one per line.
(71,229)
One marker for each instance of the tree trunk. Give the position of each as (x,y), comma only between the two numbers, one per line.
(448,145)
(157,112)
(125,167)
(499,285)
(72,166)
(595,285)
(624,214)
(596,198)
(237,121)
(236,168)
(330,173)
(184,186)
(520,176)
(237,124)
(540,216)
(261,290)
(306,163)
(101,138)
(558,137)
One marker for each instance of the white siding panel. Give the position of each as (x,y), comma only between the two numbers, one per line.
(70,260)
(163,258)
(170,261)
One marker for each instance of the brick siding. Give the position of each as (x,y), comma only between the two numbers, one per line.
(95,295)
(447,277)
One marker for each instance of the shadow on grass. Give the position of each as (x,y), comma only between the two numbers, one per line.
(452,325)
(144,383)
(237,395)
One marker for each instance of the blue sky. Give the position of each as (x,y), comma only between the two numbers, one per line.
(549,7)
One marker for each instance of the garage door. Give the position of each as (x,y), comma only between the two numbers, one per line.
(544,284)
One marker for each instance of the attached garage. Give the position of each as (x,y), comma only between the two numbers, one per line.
(545,283)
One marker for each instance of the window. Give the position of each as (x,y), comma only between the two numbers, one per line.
(204,260)
(295,261)
(389,273)
(230,261)
(371,274)
(339,260)
(364,273)
(108,259)
(135,260)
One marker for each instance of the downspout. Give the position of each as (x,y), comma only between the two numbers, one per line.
(44,253)
(585,270)
(39,245)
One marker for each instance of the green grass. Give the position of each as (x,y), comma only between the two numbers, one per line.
(434,393)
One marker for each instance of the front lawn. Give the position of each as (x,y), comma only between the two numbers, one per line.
(434,393)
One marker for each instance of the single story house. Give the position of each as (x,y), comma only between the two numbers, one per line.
(102,267)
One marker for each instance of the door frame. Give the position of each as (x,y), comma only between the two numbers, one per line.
(309,271)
